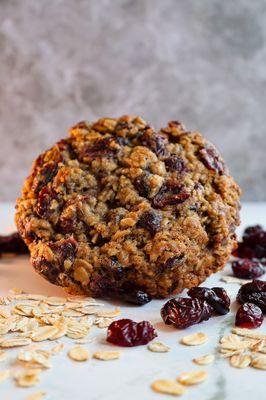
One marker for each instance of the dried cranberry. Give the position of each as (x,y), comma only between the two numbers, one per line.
(128,333)
(13,243)
(100,148)
(135,296)
(150,220)
(244,251)
(247,269)
(253,244)
(170,193)
(142,184)
(216,297)
(211,159)
(155,142)
(64,249)
(43,202)
(253,292)
(173,262)
(249,316)
(254,235)
(175,163)
(47,269)
(184,312)
(67,224)
(46,174)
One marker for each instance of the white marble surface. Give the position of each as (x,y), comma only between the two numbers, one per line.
(130,377)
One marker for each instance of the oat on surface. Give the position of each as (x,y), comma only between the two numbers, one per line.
(259,362)
(15,342)
(107,355)
(246,333)
(44,333)
(194,339)
(103,322)
(109,313)
(204,360)
(78,353)
(192,378)
(240,361)
(233,279)
(57,348)
(158,347)
(28,378)
(166,386)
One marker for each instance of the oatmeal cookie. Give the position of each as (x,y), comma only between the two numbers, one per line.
(118,208)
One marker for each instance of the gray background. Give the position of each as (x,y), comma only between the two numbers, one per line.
(202,62)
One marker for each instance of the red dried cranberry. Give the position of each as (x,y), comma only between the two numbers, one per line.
(243,251)
(216,297)
(134,296)
(173,262)
(247,269)
(253,244)
(48,270)
(253,292)
(249,316)
(13,243)
(184,312)
(142,184)
(100,148)
(67,224)
(128,333)
(211,159)
(255,235)
(175,163)
(64,249)
(46,174)
(150,220)
(45,197)
(170,193)
(155,142)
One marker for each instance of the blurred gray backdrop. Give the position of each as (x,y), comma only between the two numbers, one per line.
(200,61)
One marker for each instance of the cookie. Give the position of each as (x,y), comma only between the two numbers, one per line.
(118,208)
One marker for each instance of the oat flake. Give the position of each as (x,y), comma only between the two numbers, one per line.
(158,347)
(259,362)
(78,353)
(106,355)
(240,361)
(109,313)
(166,386)
(195,339)
(15,342)
(28,378)
(44,333)
(192,378)
(204,360)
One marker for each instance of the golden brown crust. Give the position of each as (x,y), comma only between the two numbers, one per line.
(117,205)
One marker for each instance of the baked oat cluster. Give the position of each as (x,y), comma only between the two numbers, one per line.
(119,209)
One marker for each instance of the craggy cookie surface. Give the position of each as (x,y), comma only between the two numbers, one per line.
(118,207)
